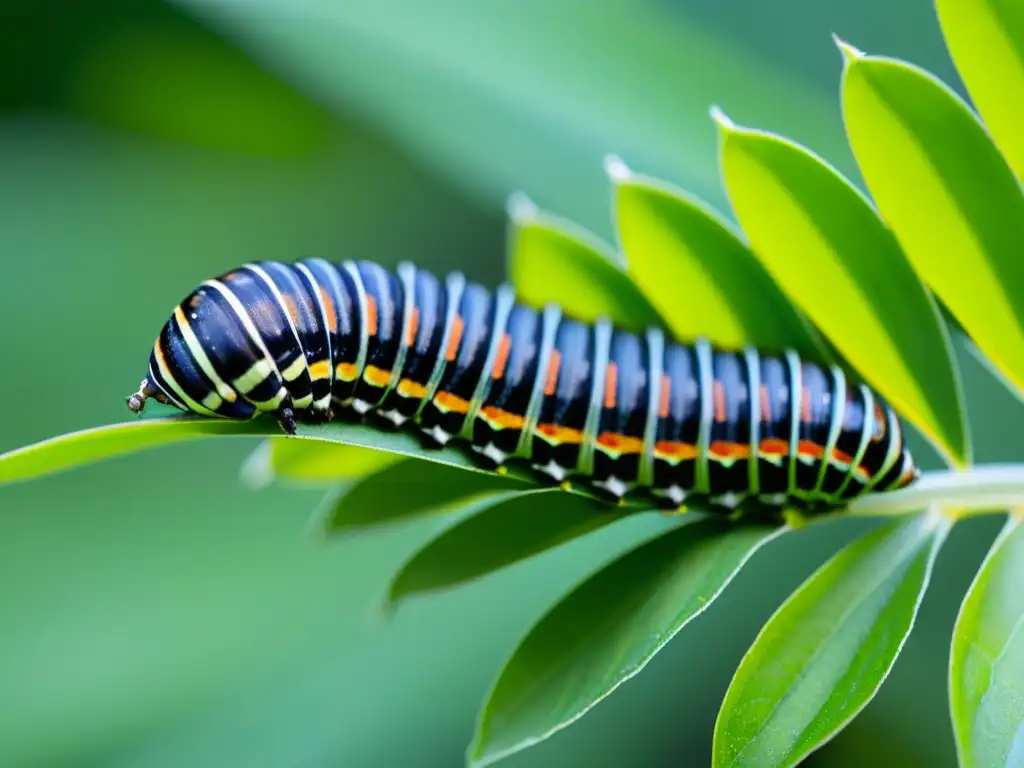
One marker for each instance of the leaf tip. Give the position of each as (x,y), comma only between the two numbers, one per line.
(380,613)
(616,169)
(477,755)
(724,122)
(850,53)
(521,209)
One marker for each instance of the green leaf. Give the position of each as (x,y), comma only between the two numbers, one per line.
(697,271)
(986,685)
(86,446)
(553,260)
(828,250)
(607,629)
(403,491)
(986,41)
(75,449)
(496,532)
(311,463)
(949,196)
(824,654)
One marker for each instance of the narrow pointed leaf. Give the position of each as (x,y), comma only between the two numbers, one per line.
(986,41)
(986,684)
(98,443)
(607,629)
(312,463)
(698,273)
(496,532)
(552,260)
(76,449)
(828,250)
(86,446)
(404,491)
(949,196)
(824,654)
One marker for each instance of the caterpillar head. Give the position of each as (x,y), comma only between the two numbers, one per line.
(137,402)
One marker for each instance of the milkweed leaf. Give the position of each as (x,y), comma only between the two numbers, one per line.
(986,40)
(495,532)
(606,630)
(697,272)
(553,261)
(828,250)
(952,201)
(824,654)
(986,673)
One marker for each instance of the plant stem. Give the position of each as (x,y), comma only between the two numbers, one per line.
(991,488)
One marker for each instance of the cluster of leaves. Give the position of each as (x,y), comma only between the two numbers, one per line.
(818,267)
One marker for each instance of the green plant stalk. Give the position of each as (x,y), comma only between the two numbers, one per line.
(986,489)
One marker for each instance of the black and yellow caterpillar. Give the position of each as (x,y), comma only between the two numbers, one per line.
(624,411)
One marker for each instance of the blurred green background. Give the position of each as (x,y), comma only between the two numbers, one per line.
(154,611)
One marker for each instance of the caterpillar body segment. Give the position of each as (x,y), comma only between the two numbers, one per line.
(627,413)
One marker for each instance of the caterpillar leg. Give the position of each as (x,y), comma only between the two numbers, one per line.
(313,416)
(286,418)
(432,441)
(385,420)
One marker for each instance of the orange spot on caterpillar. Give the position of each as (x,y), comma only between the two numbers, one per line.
(263,311)
(553,366)
(179,315)
(773,446)
(719,392)
(611,383)
(378,377)
(413,389)
(810,448)
(666,392)
(726,449)
(455,340)
(371,315)
(620,443)
(332,316)
(501,361)
(414,325)
(906,478)
(559,434)
(452,403)
(501,419)
(320,370)
(672,450)
(879,422)
(289,303)
(842,457)
(158,351)
(346,371)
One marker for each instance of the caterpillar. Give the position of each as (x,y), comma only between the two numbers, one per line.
(625,412)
